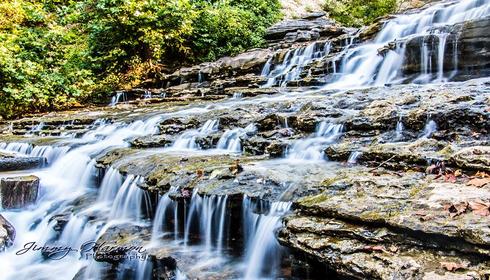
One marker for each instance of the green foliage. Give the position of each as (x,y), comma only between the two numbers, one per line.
(57,53)
(359,12)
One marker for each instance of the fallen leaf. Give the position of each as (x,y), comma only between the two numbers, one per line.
(453,266)
(480,208)
(200,173)
(477,152)
(481,174)
(450,177)
(423,215)
(186,193)
(456,209)
(479,182)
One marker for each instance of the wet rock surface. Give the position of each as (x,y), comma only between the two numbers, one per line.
(18,192)
(7,233)
(399,191)
(11,162)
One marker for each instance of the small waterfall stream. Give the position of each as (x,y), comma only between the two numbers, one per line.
(201,223)
(362,65)
(312,147)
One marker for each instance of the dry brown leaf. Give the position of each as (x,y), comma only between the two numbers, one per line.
(481,174)
(453,266)
(456,209)
(458,173)
(393,249)
(479,182)
(480,208)
(200,173)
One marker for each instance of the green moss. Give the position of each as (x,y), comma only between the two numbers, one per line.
(371,216)
(446,151)
(313,200)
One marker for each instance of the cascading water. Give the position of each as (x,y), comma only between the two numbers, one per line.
(187,141)
(231,140)
(262,248)
(209,213)
(429,129)
(49,153)
(293,63)
(312,148)
(353,157)
(70,176)
(399,129)
(363,65)
(119,97)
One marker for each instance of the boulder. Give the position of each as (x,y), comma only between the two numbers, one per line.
(18,192)
(7,233)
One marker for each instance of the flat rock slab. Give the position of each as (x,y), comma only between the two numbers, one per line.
(20,163)
(410,202)
(18,192)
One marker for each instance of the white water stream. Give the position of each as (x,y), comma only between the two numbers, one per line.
(70,174)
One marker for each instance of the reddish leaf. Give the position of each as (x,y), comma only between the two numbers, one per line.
(481,174)
(479,182)
(456,209)
(452,266)
(450,177)
(480,208)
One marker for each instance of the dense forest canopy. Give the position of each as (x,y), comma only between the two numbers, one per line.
(56,53)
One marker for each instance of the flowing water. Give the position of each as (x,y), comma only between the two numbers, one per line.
(198,226)
(362,65)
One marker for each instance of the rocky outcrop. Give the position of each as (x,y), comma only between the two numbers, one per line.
(465,50)
(7,233)
(18,192)
(308,28)
(379,224)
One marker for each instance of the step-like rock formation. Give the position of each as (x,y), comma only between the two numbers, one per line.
(18,192)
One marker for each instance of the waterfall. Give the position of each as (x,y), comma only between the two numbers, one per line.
(237,95)
(360,64)
(353,157)
(210,215)
(399,129)
(119,97)
(312,148)
(187,141)
(110,184)
(293,63)
(267,68)
(429,129)
(36,129)
(49,153)
(70,176)
(262,248)
(128,201)
(161,216)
